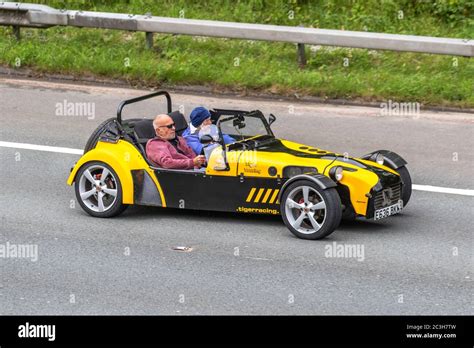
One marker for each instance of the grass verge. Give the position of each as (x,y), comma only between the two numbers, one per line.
(239,65)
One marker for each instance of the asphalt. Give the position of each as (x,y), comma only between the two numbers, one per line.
(418,262)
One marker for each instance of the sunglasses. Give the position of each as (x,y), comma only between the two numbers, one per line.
(169,126)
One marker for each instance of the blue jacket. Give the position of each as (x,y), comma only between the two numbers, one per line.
(193,140)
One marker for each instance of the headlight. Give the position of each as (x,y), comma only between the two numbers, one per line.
(336,173)
(379,158)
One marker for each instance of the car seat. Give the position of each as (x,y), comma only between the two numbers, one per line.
(144,131)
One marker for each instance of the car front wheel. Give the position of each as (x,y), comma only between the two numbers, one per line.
(407,185)
(309,211)
(98,190)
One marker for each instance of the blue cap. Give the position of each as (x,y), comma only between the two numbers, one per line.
(198,115)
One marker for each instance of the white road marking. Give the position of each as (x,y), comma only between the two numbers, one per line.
(41,148)
(438,189)
(68,150)
(257,258)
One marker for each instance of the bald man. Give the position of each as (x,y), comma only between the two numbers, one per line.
(169,151)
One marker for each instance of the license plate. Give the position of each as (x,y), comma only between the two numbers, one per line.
(387,211)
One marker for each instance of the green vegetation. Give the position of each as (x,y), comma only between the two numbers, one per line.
(272,67)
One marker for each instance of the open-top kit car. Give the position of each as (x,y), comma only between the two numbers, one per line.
(311,188)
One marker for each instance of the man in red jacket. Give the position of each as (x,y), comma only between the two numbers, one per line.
(167,150)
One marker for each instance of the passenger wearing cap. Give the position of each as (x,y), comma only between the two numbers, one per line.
(200,118)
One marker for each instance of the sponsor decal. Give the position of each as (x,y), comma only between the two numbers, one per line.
(263,195)
(257,210)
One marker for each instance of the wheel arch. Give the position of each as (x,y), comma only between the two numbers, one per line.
(104,152)
(391,159)
(319,179)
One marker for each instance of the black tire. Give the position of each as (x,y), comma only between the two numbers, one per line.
(111,183)
(328,219)
(92,141)
(406,179)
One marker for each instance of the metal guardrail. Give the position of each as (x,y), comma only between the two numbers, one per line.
(40,16)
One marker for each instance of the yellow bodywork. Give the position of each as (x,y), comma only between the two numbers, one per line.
(253,163)
(122,157)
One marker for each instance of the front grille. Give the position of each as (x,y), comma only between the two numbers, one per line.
(387,196)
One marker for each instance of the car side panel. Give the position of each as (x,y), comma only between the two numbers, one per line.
(197,190)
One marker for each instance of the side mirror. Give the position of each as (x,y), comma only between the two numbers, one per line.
(206,139)
(271,119)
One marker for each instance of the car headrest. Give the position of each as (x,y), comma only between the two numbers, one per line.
(179,121)
(144,129)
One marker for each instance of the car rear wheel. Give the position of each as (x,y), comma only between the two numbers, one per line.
(309,211)
(98,190)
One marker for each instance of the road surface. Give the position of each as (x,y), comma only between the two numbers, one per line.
(418,262)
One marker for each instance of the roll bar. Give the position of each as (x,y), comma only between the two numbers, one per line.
(138,99)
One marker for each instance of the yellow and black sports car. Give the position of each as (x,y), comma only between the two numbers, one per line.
(311,188)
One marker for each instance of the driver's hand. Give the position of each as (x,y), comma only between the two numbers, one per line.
(199,160)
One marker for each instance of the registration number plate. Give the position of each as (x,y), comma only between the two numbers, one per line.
(387,211)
